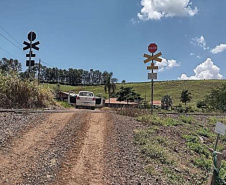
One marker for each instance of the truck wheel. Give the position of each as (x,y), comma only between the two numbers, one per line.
(92,108)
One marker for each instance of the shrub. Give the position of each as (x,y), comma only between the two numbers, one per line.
(18,93)
(198,148)
(187,119)
(201,104)
(203,163)
(155,151)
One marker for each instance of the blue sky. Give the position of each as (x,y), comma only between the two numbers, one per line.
(114,35)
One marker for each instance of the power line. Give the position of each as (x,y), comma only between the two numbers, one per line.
(10,35)
(47,64)
(6,52)
(10,41)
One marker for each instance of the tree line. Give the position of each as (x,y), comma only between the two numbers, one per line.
(69,76)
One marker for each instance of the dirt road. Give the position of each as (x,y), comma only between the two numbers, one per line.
(74,148)
(24,159)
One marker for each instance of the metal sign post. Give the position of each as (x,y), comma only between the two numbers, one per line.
(217,156)
(220,130)
(152,48)
(152,87)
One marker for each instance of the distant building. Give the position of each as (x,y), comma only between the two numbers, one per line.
(63,96)
(115,103)
(156,103)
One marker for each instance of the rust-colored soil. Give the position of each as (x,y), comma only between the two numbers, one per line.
(27,148)
(87,164)
(55,151)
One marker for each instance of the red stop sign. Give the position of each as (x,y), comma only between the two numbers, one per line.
(152,47)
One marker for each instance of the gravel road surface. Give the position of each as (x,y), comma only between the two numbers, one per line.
(72,148)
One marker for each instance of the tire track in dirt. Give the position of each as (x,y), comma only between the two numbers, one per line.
(28,147)
(88,164)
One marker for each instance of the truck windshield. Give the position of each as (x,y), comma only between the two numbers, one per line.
(85,94)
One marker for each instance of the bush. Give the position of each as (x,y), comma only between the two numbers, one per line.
(216,100)
(187,119)
(201,104)
(203,163)
(18,93)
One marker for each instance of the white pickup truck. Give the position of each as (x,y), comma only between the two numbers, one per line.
(85,99)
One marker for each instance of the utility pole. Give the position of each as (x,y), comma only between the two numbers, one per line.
(39,68)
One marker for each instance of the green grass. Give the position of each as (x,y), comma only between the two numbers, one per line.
(187,119)
(152,147)
(156,120)
(177,147)
(64,104)
(203,163)
(198,88)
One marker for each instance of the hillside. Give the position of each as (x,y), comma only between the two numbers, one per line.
(198,88)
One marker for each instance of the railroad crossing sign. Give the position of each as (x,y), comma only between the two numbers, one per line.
(30,54)
(29,45)
(152,67)
(152,48)
(152,76)
(31,36)
(31,62)
(154,57)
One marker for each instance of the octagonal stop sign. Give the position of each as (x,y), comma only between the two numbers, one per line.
(152,47)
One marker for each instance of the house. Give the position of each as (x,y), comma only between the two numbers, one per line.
(63,96)
(115,103)
(156,103)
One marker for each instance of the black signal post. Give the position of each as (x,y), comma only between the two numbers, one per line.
(29,45)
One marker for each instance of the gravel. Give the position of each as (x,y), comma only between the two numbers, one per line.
(12,124)
(52,162)
(124,163)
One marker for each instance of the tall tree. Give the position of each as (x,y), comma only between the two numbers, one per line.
(10,65)
(127,94)
(217,99)
(105,76)
(185,97)
(109,86)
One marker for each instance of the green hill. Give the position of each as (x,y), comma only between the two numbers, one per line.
(198,88)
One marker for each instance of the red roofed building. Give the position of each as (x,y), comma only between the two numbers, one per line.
(115,103)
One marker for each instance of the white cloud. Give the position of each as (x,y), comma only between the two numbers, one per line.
(200,41)
(205,70)
(218,48)
(167,64)
(191,54)
(157,9)
(134,21)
